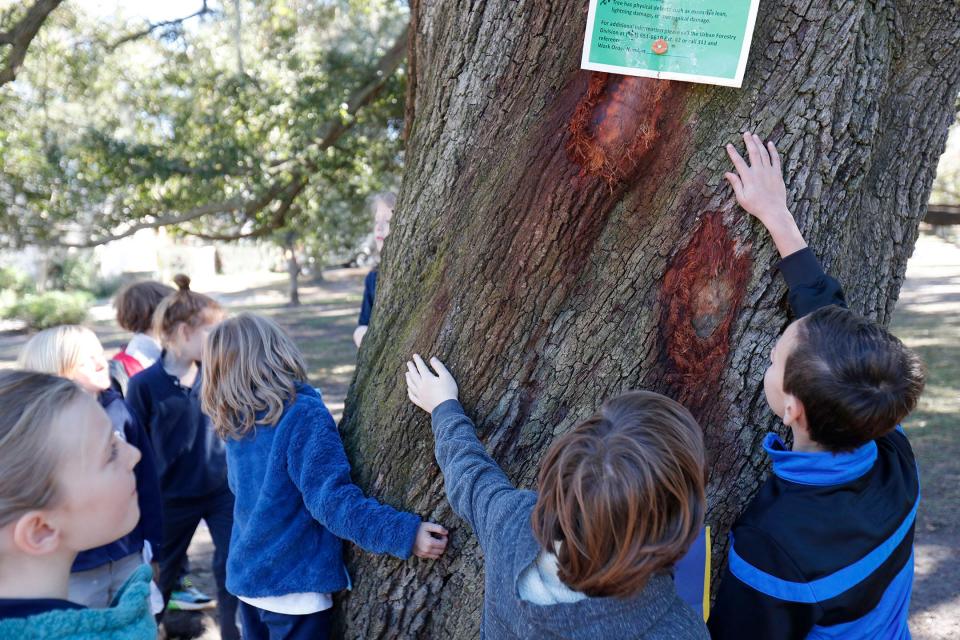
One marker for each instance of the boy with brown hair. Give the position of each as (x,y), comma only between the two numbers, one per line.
(825,549)
(620,499)
(135,304)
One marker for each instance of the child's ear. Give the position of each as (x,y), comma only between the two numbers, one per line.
(794,414)
(35,535)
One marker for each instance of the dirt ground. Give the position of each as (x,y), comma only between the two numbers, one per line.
(927,319)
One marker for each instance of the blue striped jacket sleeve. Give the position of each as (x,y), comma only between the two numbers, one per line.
(749,603)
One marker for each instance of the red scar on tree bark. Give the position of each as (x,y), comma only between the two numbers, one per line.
(615,124)
(701,295)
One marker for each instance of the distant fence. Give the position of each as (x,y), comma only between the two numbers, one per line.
(942,215)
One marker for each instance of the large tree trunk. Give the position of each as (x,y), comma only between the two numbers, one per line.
(563,236)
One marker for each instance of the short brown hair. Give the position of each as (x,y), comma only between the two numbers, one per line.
(623,494)
(136,303)
(250,367)
(29,458)
(856,381)
(183,307)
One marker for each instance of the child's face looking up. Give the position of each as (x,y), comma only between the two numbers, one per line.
(96,500)
(773,379)
(91,372)
(381,223)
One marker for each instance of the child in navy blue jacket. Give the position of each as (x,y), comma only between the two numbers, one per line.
(383,206)
(75,352)
(291,478)
(825,549)
(191,459)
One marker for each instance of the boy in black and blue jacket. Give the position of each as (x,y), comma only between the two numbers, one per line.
(825,550)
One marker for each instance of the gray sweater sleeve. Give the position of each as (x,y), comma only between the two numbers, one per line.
(477,488)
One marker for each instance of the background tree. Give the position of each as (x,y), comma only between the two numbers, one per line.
(562,236)
(20,23)
(223,125)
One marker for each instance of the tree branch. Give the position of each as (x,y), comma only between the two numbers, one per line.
(287,191)
(234,204)
(19,37)
(150,28)
(364,95)
(277,220)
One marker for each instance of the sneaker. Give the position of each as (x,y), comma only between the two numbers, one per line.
(189,598)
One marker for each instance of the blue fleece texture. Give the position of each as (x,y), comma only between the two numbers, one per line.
(128,618)
(295,501)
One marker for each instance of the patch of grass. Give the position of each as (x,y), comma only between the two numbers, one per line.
(933,426)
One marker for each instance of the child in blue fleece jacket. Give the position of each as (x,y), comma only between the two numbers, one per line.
(294,497)
(67,485)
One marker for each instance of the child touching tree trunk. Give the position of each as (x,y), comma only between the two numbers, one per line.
(620,499)
(825,549)
(383,206)
(291,477)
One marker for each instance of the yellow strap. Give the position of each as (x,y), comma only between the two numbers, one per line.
(706,578)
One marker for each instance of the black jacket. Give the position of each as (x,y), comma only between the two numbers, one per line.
(825,550)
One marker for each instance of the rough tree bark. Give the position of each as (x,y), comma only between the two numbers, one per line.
(562,236)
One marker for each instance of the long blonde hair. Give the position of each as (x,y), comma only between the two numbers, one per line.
(56,350)
(29,457)
(250,366)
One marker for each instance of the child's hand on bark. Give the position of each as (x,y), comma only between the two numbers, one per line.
(431,541)
(426,389)
(760,190)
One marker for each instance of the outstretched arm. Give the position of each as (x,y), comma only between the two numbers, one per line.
(760,190)
(319,468)
(477,488)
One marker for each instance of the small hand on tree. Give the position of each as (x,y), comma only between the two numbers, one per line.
(426,389)
(760,190)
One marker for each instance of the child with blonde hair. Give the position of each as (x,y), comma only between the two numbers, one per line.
(383,206)
(191,459)
(67,485)
(75,352)
(291,477)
